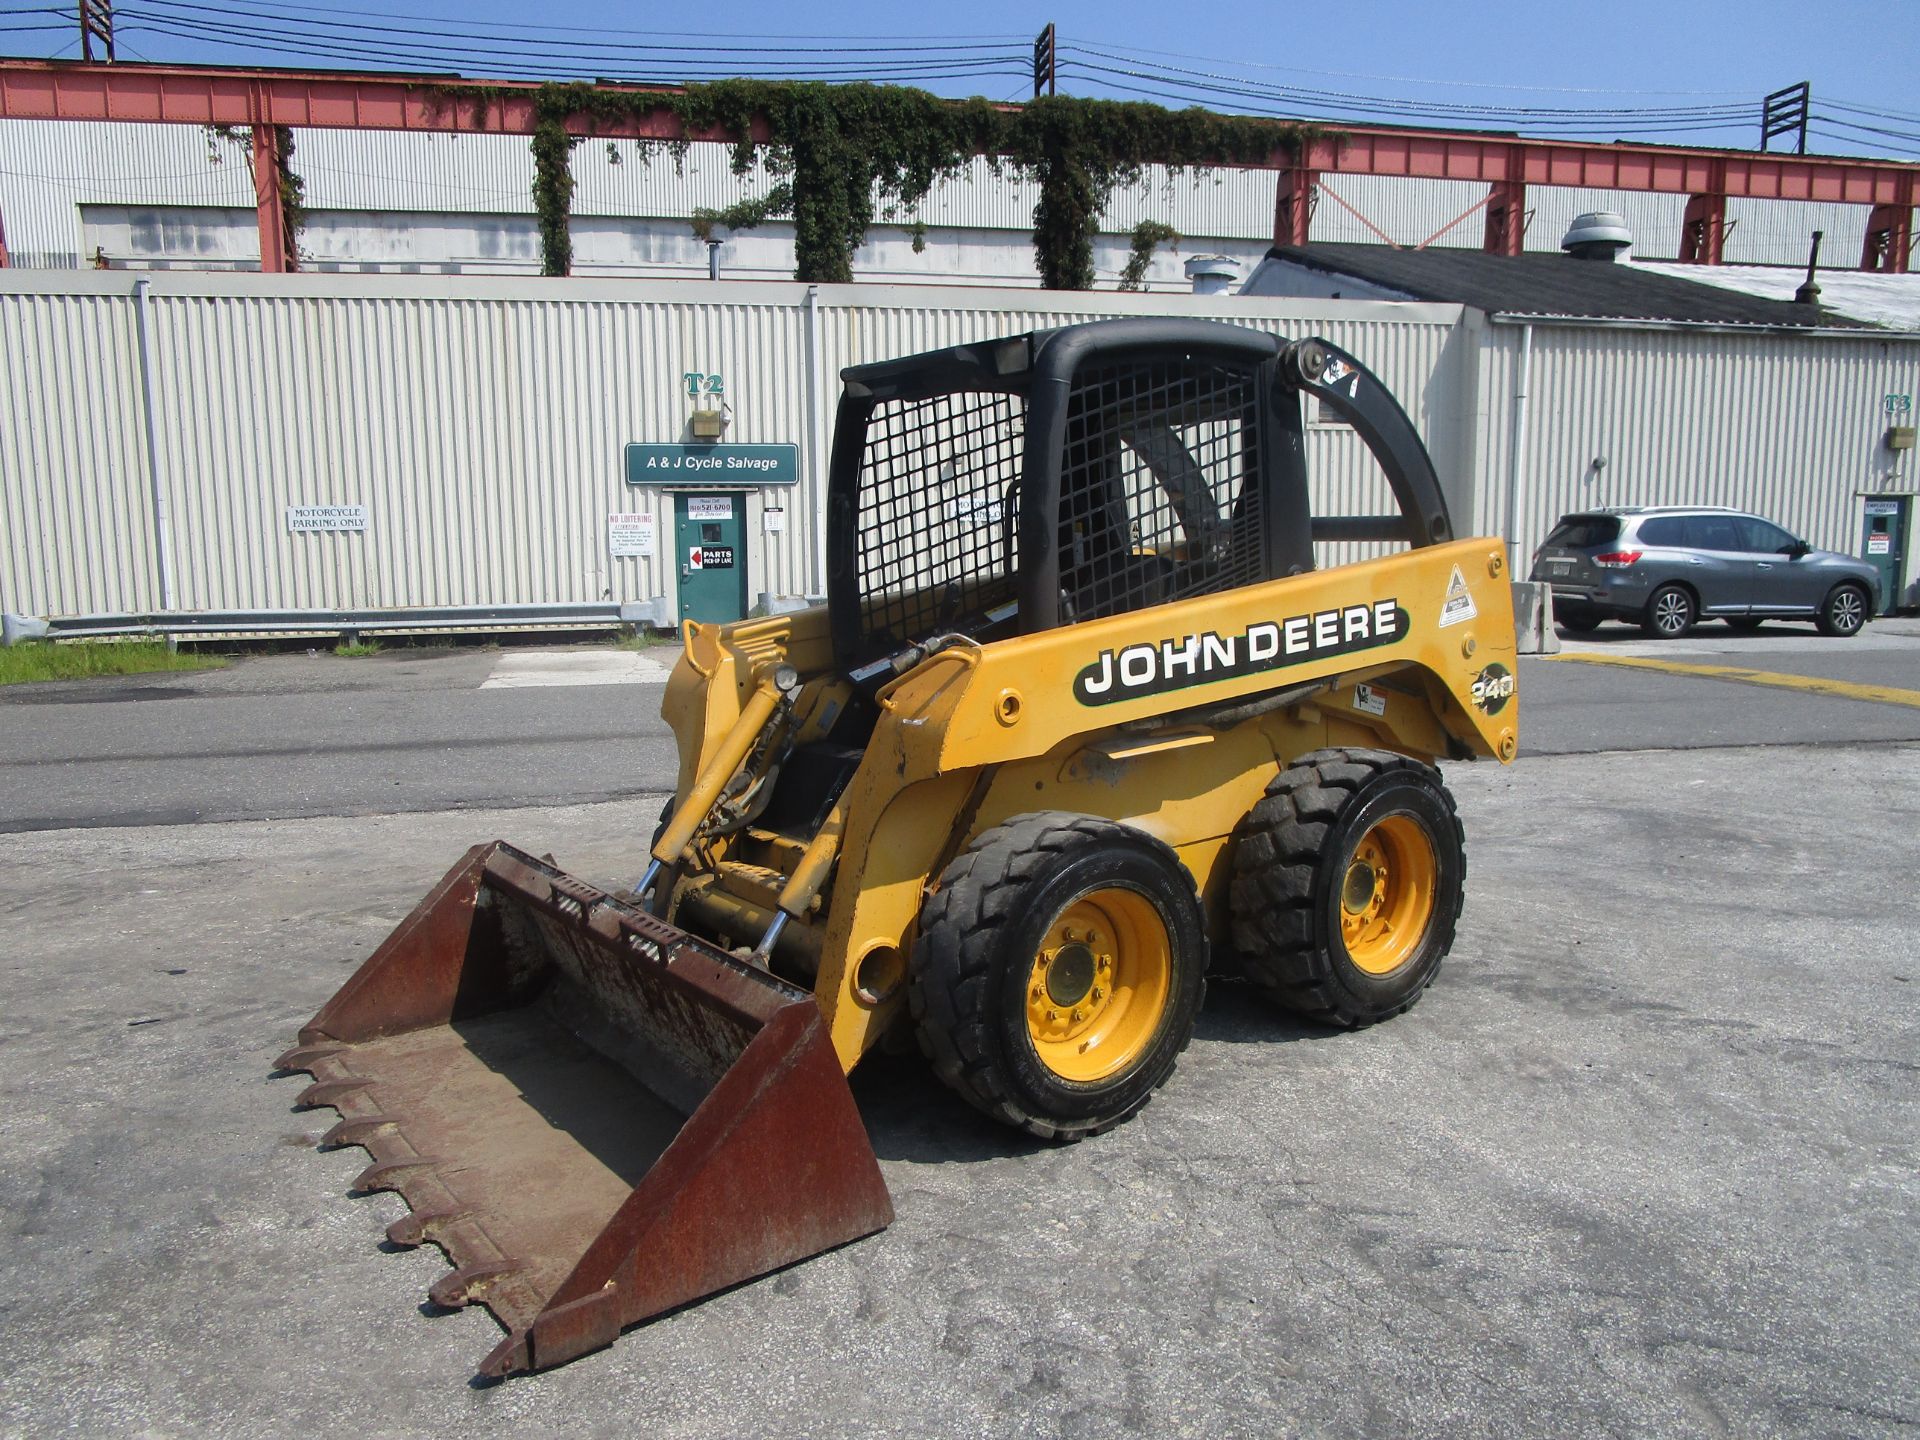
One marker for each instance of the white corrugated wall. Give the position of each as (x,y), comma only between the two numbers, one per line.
(482,423)
(1789,426)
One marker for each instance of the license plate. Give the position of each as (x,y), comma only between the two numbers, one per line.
(1561,565)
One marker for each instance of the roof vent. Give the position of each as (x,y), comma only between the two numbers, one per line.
(1597,235)
(1212,274)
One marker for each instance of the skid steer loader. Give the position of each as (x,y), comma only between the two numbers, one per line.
(1081,714)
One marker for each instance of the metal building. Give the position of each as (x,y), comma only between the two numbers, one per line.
(179,196)
(315,452)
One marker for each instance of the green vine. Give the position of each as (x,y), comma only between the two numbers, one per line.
(1080,150)
(831,150)
(742,214)
(1148,236)
(293,189)
(293,193)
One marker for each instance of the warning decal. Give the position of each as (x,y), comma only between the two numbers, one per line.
(1459,602)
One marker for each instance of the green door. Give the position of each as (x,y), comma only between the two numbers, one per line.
(710,547)
(1883,544)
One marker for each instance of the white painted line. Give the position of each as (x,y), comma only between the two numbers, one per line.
(523,668)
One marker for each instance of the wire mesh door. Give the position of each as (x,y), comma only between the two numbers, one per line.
(938,496)
(1160,495)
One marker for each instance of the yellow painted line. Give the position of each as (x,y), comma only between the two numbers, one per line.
(1812,684)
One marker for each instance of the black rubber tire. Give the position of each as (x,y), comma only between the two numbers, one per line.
(1289,862)
(973,956)
(1745,623)
(1838,617)
(1671,612)
(1578,622)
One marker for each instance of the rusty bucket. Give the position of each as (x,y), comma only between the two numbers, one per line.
(597,1116)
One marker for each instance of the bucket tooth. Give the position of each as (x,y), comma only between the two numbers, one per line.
(305,1057)
(390,1175)
(329,1092)
(469,1283)
(421,1227)
(358,1130)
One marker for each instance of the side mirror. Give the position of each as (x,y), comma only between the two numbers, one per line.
(1797,549)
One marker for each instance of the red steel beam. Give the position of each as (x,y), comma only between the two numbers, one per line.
(320,100)
(192,95)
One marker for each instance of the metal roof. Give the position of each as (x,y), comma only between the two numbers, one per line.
(1542,286)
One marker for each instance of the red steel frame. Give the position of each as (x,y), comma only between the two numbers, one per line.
(194,95)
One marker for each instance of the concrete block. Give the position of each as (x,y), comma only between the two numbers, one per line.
(1533,618)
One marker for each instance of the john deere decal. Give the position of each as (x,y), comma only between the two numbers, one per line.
(1157,666)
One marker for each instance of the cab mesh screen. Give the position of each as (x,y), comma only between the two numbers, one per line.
(937,500)
(1159,485)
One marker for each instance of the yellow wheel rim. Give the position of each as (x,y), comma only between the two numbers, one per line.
(1099,985)
(1387,894)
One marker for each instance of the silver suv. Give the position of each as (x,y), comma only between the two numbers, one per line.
(1665,566)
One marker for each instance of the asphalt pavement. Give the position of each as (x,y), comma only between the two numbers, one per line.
(423,729)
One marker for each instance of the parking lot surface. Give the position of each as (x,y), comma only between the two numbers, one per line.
(1641,1163)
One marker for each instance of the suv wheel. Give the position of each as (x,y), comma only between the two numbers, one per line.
(1844,612)
(1670,613)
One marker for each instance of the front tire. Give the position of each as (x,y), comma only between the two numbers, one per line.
(1844,611)
(1670,613)
(1347,882)
(1058,972)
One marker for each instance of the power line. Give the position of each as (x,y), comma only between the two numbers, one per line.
(1232,84)
(596,46)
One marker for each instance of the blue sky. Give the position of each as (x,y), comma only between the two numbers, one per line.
(1704,66)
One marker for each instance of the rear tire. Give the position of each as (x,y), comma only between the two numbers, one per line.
(1844,611)
(1058,971)
(1578,622)
(1348,877)
(1670,612)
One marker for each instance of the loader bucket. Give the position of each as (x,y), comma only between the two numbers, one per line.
(597,1116)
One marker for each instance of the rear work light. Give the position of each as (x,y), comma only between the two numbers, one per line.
(1617,559)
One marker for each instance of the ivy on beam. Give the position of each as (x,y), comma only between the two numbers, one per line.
(834,151)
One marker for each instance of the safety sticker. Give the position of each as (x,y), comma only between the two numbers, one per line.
(1366,698)
(1459,602)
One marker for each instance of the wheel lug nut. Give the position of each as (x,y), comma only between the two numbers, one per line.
(1098,994)
(1052,1015)
(1079,1013)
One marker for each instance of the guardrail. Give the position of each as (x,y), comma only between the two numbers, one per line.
(180,623)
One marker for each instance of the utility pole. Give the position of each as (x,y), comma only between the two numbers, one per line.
(1043,62)
(1784,112)
(96,23)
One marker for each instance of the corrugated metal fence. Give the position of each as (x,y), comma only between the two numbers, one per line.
(1792,426)
(482,422)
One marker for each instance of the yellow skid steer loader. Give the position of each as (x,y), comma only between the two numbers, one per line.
(1080,715)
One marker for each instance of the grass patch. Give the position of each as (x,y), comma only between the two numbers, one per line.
(357,649)
(637,637)
(79,659)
